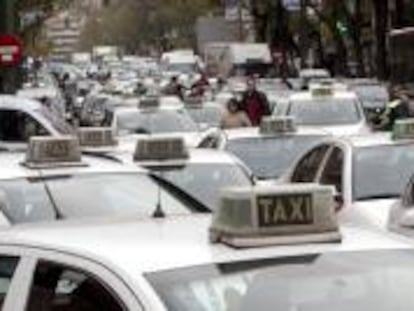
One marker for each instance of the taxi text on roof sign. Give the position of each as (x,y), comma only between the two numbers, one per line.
(44,152)
(403,129)
(160,149)
(282,214)
(149,103)
(277,125)
(96,137)
(322,91)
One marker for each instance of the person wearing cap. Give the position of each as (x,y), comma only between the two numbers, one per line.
(254,103)
(234,117)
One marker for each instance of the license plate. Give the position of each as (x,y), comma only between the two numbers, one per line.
(283,210)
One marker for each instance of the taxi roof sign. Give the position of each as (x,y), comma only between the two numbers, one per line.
(277,125)
(47,152)
(155,149)
(322,91)
(277,215)
(149,103)
(96,137)
(403,129)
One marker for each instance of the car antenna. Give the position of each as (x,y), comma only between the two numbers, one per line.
(159,212)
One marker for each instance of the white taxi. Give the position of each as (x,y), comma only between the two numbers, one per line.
(22,118)
(156,116)
(54,181)
(339,112)
(369,172)
(276,248)
(270,150)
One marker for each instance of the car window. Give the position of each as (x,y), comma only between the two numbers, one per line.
(308,167)
(332,281)
(271,157)
(18,126)
(57,287)
(25,200)
(160,122)
(204,181)
(113,194)
(381,172)
(333,171)
(8,266)
(324,112)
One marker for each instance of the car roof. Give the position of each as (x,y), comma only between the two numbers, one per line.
(375,139)
(148,245)
(12,167)
(19,103)
(308,96)
(196,156)
(253,132)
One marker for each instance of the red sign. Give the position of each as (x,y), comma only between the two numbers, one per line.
(10,51)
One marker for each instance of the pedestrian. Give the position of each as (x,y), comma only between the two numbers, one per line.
(174,88)
(234,117)
(254,103)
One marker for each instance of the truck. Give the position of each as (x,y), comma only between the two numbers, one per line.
(245,59)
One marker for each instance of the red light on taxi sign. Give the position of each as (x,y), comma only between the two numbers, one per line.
(11,51)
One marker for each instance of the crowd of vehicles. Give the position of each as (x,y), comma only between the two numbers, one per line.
(118,194)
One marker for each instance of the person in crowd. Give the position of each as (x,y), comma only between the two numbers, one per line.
(234,117)
(254,103)
(398,108)
(175,88)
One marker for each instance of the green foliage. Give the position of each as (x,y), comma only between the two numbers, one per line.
(140,24)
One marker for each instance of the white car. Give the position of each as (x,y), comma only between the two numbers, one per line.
(79,187)
(339,112)
(167,117)
(369,173)
(22,118)
(170,264)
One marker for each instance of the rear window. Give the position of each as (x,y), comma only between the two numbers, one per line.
(271,157)
(325,112)
(370,280)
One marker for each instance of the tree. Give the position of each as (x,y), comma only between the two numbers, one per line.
(145,24)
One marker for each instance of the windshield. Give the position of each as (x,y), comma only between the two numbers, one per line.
(358,281)
(204,181)
(270,157)
(372,96)
(325,112)
(382,172)
(207,115)
(89,195)
(58,123)
(159,122)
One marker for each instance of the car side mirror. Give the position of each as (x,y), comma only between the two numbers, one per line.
(339,201)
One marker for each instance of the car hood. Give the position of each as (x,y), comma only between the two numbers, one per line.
(372,213)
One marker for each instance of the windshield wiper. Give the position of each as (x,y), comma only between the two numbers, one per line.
(194,204)
(379,196)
